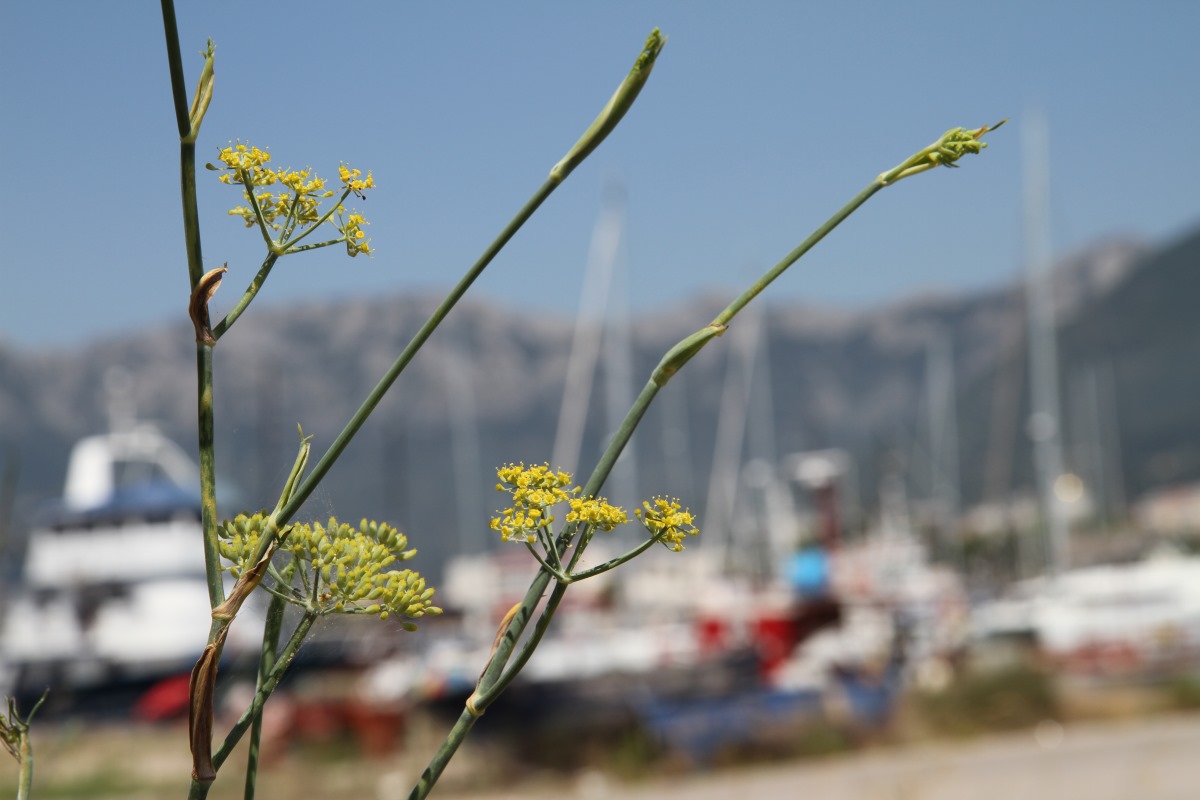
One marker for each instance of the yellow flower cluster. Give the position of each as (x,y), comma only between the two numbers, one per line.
(351,225)
(243,159)
(534,490)
(534,487)
(537,488)
(298,205)
(597,513)
(517,525)
(667,521)
(353,180)
(349,566)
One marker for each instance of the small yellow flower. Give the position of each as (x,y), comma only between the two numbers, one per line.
(244,161)
(351,227)
(353,180)
(537,486)
(667,521)
(597,513)
(534,490)
(519,525)
(242,156)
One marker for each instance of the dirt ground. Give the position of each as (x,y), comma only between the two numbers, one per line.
(1147,759)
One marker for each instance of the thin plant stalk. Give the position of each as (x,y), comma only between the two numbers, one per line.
(266,663)
(260,278)
(373,399)
(499,673)
(188,124)
(284,660)
(14,736)
(606,121)
(204,674)
(25,776)
(225,609)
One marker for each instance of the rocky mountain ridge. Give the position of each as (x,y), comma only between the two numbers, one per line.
(487,389)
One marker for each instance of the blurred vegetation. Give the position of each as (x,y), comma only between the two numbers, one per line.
(1006,699)
(1183,692)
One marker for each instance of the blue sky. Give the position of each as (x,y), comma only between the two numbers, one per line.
(760,119)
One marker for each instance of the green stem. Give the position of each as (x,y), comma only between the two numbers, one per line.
(247,296)
(547,540)
(264,691)
(289,224)
(304,247)
(191,213)
(486,695)
(195,259)
(614,563)
(266,662)
(442,757)
(616,108)
(247,178)
(495,676)
(25,776)
(208,481)
(621,438)
(791,258)
(288,244)
(554,571)
(14,736)
(360,416)
(175,64)
(273,534)
(601,127)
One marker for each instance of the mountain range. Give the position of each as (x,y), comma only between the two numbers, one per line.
(488,386)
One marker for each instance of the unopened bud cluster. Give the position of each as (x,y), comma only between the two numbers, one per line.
(349,566)
(238,541)
(956,143)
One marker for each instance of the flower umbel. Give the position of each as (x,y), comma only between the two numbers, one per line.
(351,227)
(353,180)
(597,513)
(348,567)
(667,521)
(290,214)
(537,489)
(243,160)
(238,542)
(534,490)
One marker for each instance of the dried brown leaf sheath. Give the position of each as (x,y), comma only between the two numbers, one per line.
(198,307)
(200,709)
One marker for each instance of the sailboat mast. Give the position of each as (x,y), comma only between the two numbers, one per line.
(604,295)
(1044,426)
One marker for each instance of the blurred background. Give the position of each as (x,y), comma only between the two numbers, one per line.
(947,469)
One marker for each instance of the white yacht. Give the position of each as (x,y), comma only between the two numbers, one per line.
(113,586)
